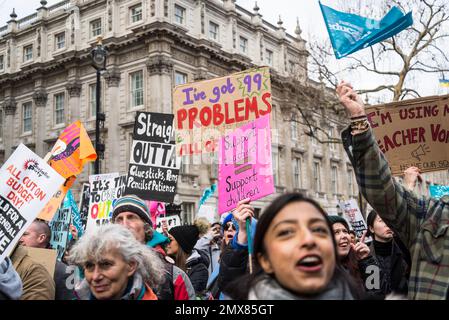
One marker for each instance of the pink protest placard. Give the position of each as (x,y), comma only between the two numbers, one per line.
(245,169)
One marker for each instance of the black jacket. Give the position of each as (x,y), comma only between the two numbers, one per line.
(233,264)
(197,265)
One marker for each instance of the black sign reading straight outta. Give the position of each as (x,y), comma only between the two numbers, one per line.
(153,165)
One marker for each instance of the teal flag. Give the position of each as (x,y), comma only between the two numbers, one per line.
(438,191)
(69,202)
(350,33)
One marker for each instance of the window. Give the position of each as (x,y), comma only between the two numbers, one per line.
(93,99)
(275,162)
(27,53)
(316,176)
(27,117)
(185,164)
(188,211)
(2,63)
(297,173)
(59,108)
(269,57)
(95,28)
(294,127)
(180,14)
(137,89)
(180,78)
(350,183)
(60,40)
(213,30)
(334,179)
(136,13)
(243,45)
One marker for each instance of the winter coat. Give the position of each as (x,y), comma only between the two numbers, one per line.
(395,270)
(233,264)
(419,221)
(62,272)
(10,283)
(196,269)
(136,290)
(37,283)
(211,249)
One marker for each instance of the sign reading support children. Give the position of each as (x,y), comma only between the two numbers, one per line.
(245,168)
(26,184)
(154,166)
(205,110)
(60,230)
(413,133)
(104,190)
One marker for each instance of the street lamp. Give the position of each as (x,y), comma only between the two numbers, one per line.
(98,54)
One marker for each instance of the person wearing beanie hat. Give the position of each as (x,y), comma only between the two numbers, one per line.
(355,258)
(133,213)
(194,262)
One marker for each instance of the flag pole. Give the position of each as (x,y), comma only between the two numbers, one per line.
(250,244)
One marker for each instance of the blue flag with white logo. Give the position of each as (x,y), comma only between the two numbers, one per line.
(438,191)
(69,202)
(350,33)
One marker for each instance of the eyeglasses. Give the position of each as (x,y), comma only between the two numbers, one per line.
(230,225)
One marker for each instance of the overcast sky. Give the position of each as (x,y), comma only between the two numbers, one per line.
(306,11)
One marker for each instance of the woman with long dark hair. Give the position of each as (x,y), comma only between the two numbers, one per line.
(295,255)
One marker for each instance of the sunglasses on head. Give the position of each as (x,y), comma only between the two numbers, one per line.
(231,225)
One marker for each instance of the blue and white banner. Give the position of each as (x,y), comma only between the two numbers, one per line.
(438,191)
(350,33)
(69,202)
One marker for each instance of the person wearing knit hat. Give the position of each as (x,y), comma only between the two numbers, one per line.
(133,213)
(194,262)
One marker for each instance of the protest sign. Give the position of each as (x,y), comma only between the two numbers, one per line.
(413,133)
(69,202)
(26,184)
(72,150)
(154,166)
(439,191)
(352,214)
(84,204)
(46,257)
(156,209)
(205,110)
(60,230)
(171,221)
(53,205)
(104,190)
(245,169)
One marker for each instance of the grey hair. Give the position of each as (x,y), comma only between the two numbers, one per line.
(95,243)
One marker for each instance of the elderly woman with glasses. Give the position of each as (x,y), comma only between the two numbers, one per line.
(116,266)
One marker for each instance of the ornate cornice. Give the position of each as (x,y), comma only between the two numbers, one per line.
(40,98)
(74,88)
(10,106)
(159,65)
(112,77)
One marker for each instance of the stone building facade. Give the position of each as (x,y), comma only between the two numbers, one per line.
(47,82)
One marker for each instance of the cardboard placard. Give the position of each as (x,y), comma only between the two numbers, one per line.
(245,167)
(154,166)
(27,183)
(413,133)
(84,204)
(352,214)
(205,110)
(59,227)
(171,221)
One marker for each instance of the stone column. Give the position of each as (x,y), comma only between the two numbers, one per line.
(160,69)
(74,89)
(9,108)
(40,101)
(112,143)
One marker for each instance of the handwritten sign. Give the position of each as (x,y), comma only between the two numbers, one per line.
(413,133)
(439,191)
(205,110)
(60,230)
(352,214)
(69,202)
(245,169)
(154,166)
(171,221)
(26,184)
(104,190)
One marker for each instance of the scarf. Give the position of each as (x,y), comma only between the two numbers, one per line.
(269,289)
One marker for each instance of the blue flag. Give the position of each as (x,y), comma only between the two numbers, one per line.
(350,33)
(438,191)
